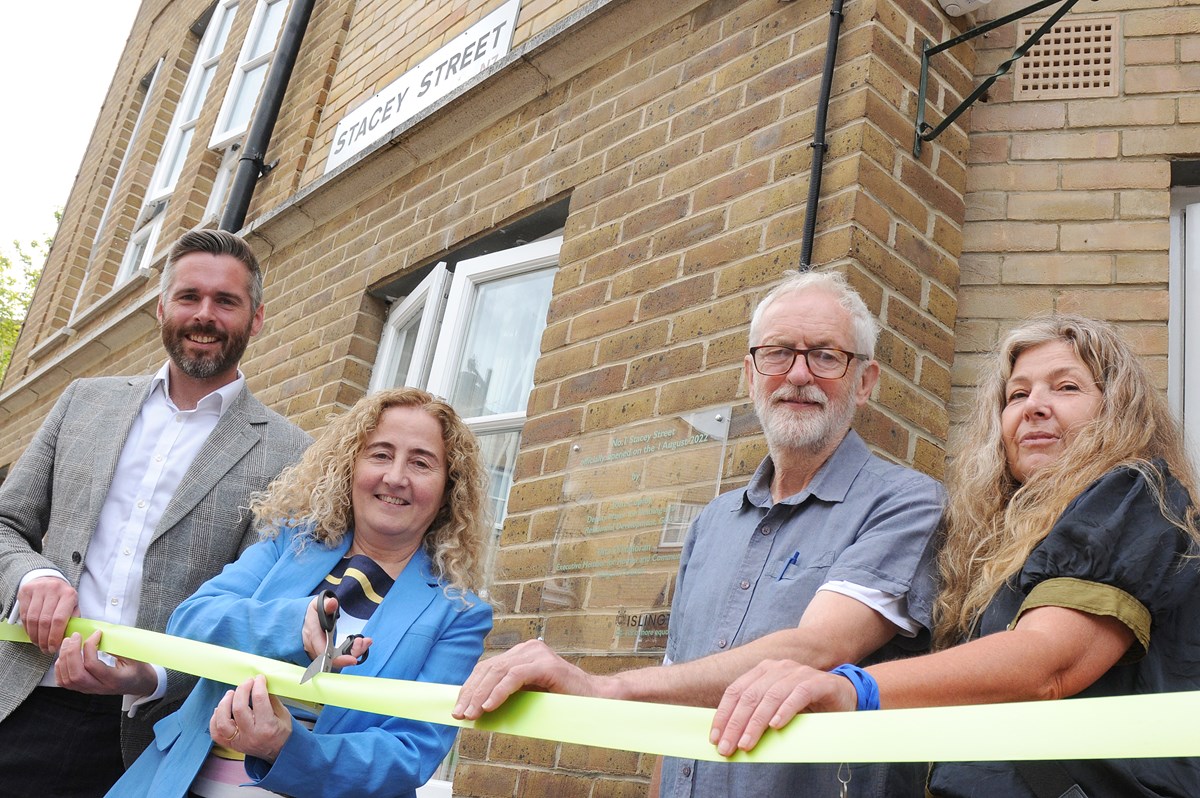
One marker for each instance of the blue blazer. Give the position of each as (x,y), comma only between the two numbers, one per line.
(257,604)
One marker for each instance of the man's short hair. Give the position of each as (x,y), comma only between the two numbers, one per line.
(865,327)
(215,242)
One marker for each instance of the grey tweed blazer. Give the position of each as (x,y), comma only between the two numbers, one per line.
(50,505)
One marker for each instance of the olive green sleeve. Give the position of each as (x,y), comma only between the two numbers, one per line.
(1096,599)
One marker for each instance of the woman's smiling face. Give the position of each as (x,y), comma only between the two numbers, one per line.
(399,481)
(1049,395)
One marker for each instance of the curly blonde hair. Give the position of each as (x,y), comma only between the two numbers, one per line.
(993,522)
(315,493)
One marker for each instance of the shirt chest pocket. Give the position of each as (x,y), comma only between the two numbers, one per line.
(785,589)
(798,565)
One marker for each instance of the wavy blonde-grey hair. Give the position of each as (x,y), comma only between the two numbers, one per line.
(315,493)
(993,521)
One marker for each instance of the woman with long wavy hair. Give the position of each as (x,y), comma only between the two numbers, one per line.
(387,512)
(1069,568)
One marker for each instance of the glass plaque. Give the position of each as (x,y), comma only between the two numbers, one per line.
(628,498)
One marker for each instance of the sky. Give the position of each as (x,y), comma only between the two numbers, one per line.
(53,79)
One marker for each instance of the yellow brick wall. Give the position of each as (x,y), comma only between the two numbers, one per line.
(684,153)
(353,36)
(1068,199)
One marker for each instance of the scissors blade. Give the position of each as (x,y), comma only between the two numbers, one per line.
(328,622)
(315,667)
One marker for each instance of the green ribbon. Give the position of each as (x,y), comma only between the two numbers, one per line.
(1123,727)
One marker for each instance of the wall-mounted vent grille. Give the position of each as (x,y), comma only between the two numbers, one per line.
(1075,58)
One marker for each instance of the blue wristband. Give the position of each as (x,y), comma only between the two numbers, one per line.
(864,685)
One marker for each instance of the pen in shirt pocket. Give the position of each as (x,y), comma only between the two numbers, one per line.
(788,565)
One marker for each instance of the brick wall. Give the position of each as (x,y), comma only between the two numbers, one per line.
(1068,198)
(406,32)
(690,171)
(681,135)
(682,143)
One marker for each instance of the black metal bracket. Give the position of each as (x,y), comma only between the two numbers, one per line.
(927,132)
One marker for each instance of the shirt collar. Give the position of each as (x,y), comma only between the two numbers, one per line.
(217,402)
(831,483)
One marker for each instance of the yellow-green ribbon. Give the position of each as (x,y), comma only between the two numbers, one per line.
(1159,725)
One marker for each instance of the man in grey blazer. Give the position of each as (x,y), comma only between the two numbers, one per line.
(130,495)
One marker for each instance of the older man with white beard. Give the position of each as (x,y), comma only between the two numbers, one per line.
(812,561)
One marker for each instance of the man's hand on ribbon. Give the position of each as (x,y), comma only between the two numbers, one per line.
(79,668)
(531,665)
(47,603)
(768,696)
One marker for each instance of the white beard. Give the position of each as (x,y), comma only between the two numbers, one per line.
(786,429)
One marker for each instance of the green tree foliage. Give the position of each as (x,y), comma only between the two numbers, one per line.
(18,277)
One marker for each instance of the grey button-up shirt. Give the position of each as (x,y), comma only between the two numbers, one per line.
(750,567)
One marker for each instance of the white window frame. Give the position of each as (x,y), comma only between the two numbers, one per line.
(195,90)
(469,275)
(146,235)
(148,81)
(444,302)
(427,301)
(220,187)
(223,134)
(1183,357)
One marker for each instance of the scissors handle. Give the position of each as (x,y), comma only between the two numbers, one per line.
(328,620)
(344,648)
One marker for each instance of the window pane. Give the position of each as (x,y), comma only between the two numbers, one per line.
(218,41)
(196,101)
(132,258)
(229,164)
(264,41)
(502,344)
(499,453)
(247,95)
(141,246)
(406,342)
(177,159)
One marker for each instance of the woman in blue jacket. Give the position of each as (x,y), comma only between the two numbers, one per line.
(387,510)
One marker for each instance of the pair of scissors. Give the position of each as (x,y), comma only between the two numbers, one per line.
(328,620)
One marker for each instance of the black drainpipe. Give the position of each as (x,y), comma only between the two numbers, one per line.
(818,142)
(254,148)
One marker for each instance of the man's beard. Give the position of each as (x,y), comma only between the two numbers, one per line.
(812,430)
(208,365)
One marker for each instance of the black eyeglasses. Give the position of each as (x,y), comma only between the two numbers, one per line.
(823,362)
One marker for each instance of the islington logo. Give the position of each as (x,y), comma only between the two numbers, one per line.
(643,624)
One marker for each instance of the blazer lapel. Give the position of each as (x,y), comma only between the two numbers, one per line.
(406,601)
(402,606)
(228,443)
(303,569)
